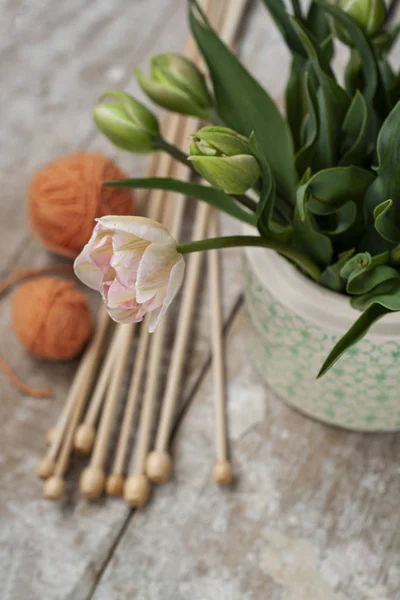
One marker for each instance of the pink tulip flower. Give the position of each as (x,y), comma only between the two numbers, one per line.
(133,262)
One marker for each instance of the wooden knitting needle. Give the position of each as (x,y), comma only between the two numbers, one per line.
(85,434)
(159,165)
(158,466)
(79,389)
(222,471)
(50,435)
(137,488)
(53,488)
(93,477)
(115,481)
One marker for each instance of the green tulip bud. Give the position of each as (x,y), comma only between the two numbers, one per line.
(223,157)
(127,123)
(176,84)
(369,14)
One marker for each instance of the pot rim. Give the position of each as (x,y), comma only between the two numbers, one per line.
(315,303)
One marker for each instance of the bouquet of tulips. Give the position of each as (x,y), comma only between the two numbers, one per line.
(321,186)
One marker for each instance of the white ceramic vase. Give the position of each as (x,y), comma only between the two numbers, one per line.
(293,323)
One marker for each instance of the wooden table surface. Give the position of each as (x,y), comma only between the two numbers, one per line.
(314,511)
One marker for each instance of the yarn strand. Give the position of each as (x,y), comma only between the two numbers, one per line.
(20,385)
(20,274)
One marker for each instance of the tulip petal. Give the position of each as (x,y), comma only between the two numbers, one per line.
(140,227)
(119,294)
(101,252)
(125,316)
(154,270)
(88,272)
(127,247)
(174,285)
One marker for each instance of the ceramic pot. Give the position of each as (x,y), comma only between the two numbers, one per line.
(293,323)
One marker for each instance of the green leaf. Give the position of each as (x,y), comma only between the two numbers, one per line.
(333,103)
(354,335)
(361,42)
(308,239)
(356,132)
(306,153)
(386,186)
(278,12)
(386,294)
(361,262)
(216,198)
(331,188)
(384,222)
(341,220)
(317,22)
(313,49)
(331,277)
(353,74)
(244,105)
(394,91)
(294,101)
(368,280)
(266,226)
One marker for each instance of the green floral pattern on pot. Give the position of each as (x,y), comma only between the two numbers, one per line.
(360,393)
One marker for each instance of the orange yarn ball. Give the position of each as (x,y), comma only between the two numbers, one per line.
(68,194)
(51,318)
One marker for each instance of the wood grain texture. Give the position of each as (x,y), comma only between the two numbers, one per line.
(56,551)
(314,512)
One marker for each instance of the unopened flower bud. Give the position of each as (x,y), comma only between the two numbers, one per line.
(127,123)
(369,14)
(176,84)
(223,157)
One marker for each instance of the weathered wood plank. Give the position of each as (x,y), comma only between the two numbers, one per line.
(55,551)
(56,61)
(313,513)
(289,523)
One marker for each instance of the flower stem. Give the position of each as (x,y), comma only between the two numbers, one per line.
(297,9)
(246,201)
(214,117)
(233,241)
(174,152)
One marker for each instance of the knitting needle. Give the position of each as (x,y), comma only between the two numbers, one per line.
(115,481)
(85,434)
(53,488)
(137,488)
(158,465)
(50,435)
(222,471)
(80,388)
(93,477)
